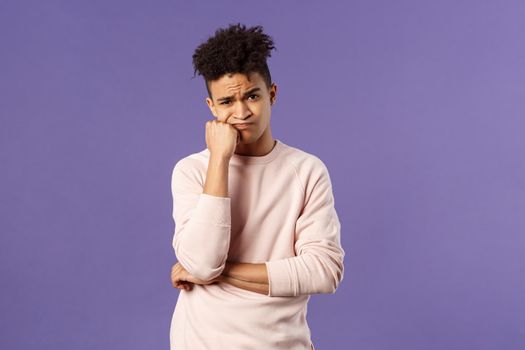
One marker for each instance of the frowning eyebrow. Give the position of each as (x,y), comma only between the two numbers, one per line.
(245,94)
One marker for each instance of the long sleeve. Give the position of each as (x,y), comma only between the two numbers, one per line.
(202,223)
(318,265)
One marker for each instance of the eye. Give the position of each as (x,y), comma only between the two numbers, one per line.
(254,95)
(225,102)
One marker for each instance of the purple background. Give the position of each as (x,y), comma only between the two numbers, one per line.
(416,107)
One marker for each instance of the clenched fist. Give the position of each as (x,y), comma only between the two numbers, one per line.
(221,138)
(181,279)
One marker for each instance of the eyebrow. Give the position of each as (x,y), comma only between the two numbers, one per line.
(245,94)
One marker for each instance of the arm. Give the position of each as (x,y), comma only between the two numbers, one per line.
(252,277)
(216,182)
(202,215)
(255,273)
(260,288)
(246,276)
(318,264)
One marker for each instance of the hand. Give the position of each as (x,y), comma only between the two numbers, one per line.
(181,279)
(221,138)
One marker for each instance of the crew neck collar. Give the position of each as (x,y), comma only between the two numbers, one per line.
(268,157)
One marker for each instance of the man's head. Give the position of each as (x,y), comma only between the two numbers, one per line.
(238,81)
(235,49)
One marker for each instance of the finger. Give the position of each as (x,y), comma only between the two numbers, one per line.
(182,285)
(175,279)
(175,282)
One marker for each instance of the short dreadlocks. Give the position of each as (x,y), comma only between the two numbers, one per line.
(235,49)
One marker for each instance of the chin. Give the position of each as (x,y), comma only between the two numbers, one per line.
(246,140)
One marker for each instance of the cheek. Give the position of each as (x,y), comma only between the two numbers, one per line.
(259,111)
(223,115)
(264,113)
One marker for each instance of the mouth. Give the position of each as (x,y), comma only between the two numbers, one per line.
(242,125)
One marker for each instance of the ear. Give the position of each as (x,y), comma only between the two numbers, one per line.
(211,106)
(273,93)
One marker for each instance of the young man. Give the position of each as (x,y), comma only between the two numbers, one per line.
(256,230)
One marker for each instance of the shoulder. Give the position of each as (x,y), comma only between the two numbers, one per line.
(192,161)
(306,163)
(309,167)
(191,167)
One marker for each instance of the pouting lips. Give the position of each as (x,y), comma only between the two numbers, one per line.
(242,126)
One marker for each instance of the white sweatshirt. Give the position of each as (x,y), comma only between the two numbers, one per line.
(280,211)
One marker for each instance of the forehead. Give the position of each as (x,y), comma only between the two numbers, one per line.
(232,82)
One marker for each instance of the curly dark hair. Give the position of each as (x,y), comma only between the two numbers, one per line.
(235,49)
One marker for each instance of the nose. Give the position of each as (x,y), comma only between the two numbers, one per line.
(241,111)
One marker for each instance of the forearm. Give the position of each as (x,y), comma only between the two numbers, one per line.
(216,183)
(255,273)
(260,288)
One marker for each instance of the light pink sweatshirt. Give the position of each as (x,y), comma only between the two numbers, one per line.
(280,211)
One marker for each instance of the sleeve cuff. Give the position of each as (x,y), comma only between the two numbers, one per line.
(280,280)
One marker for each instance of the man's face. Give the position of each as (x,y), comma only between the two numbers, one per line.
(237,100)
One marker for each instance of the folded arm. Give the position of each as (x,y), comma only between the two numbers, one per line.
(317,267)
(252,277)
(202,215)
